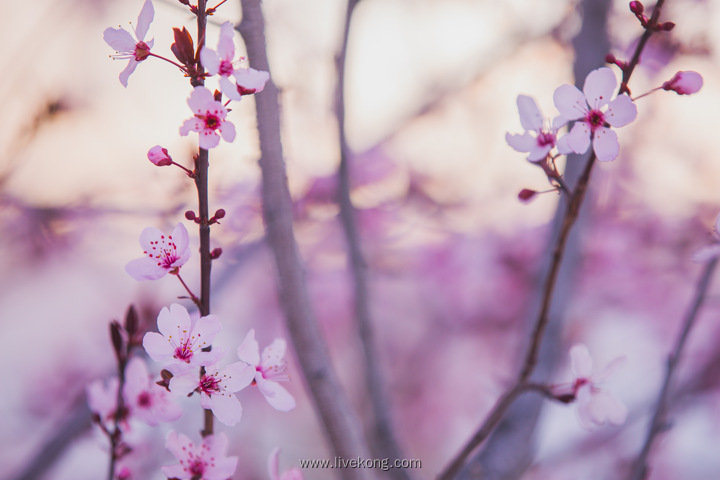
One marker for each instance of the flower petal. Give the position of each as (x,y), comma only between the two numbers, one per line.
(606,408)
(226,408)
(605,144)
(193,124)
(275,394)
(251,79)
(226,46)
(578,138)
(599,87)
(249,349)
(144,20)
(610,369)
(227,130)
(144,269)
(570,102)
(199,99)
(210,60)
(174,323)
(209,139)
(621,111)
(125,74)
(237,376)
(521,143)
(530,116)
(119,39)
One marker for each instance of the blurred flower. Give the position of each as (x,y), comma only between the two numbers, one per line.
(217,388)
(206,461)
(684,83)
(539,137)
(274,468)
(128,47)
(145,400)
(181,340)
(269,370)
(593,122)
(595,406)
(208,120)
(163,253)
(102,398)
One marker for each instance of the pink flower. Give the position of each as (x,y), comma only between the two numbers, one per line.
(249,81)
(181,340)
(209,119)
(684,83)
(595,406)
(274,468)
(269,370)
(163,253)
(159,156)
(220,62)
(539,137)
(145,400)
(102,398)
(217,388)
(128,47)
(594,122)
(206,461)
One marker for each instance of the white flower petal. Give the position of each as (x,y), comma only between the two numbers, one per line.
(605,144)
(530,116)
(621,111)
(599,87)
(578,138)
(521,143)
(570,102)
(144,19)
(580,361)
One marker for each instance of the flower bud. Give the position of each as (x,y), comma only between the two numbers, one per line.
(159,156)
(637,8)
(526,194)
(220,213)
(190,215)
(684,83)
(215,253)
(667,26)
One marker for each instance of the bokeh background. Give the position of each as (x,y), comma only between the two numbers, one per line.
(454,258)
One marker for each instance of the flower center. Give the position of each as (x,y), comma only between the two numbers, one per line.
(225,69)
(546,138)
(595,119)
(209,385)
(167,252)
(212,122)
(197,467)
(184,352)
(144,400)
(142,51)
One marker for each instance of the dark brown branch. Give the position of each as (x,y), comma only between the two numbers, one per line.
(659,420)
(342,425)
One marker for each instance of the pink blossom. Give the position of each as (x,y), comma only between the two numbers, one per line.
(217,388)
(220,62)
(593,121)
(539,137)
(274,468)
(249,81)
(206,461)
(102,398)
(146,400)
(163,253)
(595,406)
(159,156)
(181,339)
(269,370)
(128,47)
(208,120)
(684,83)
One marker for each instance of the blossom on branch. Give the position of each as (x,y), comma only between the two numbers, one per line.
(217,388)
(593,119)
(163,253)
(208,120)
(134,49)
(595,406)
(144,399)
(181,340)
(268,370)
(206,461)
(540,136)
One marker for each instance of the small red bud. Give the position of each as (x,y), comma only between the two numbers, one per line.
(215,253)
(667,26)
(190,215)
(610,58)
(526,194)
(117,340)
(637,8)
(220,213)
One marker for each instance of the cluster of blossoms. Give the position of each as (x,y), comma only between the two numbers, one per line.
(183,344)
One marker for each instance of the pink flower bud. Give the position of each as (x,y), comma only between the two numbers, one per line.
(159,156)
(637,8)
(684,83)
(526,194)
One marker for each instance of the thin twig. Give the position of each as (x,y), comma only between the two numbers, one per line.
(384,443)
(569,219)
(342,425)
(659,420)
